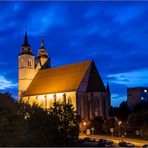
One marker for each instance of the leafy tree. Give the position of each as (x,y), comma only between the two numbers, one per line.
(110,123)
(25,125)
(124,111)
(120,112)
(97,123)
(57,126)
(138,119)
(11,126)
(144,126)
(67,122)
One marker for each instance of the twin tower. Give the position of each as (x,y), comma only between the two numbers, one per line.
(29,65)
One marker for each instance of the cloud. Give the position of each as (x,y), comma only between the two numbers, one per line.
(131,79)
(117,99)
(42,21)
(6,84)
(113,34)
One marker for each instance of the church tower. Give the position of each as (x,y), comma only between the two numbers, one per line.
(42,60)
(26,67)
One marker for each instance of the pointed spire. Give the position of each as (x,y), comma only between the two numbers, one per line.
(42,51)
(42,42)
(26,39)
(108,89)
(25,48)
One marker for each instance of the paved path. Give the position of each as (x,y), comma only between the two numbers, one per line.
(116,139)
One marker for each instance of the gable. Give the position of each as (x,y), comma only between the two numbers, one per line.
(95,82)
(92,81)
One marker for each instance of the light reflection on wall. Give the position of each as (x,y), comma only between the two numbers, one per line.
(47,100)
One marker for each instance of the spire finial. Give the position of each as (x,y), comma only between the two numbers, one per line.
(42,41)
(26,39)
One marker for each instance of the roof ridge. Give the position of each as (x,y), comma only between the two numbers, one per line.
(67,65)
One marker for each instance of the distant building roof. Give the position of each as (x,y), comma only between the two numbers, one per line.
(139,87)
(59,79)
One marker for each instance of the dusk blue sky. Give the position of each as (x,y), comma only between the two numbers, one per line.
(113,34)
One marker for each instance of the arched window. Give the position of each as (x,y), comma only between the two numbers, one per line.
(55,98)
(22,62)
(29,63)
(69,100)
(64,98)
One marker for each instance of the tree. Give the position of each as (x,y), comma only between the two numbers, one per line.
(138,120)
(120,112)
(67,122)
(144,126)
(97,123)
(25,125)
(57,126)
(110,123)
(11,126)
(123,111)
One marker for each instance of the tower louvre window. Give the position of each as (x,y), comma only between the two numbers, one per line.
(29,63)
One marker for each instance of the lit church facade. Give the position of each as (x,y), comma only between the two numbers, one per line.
(79,84)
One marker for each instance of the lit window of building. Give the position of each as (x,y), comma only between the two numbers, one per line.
(145,91)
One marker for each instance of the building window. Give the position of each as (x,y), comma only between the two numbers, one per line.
(29,63)
(64,98)
(69,100)
(145,91)
(22,62)
(55,98)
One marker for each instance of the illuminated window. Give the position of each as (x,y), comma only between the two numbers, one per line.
(69,100)
(145,91)
(142,98)
(64,98)
(59,100)
(55,98)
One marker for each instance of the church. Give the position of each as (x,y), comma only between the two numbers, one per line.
(79,83)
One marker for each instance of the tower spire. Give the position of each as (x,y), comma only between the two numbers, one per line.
(25,48)
(42,41)
(26,39)
(108,89)
(42,51)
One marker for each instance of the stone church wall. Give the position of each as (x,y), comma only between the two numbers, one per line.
(47,100)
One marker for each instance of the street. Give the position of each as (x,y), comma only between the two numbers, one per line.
(116,140)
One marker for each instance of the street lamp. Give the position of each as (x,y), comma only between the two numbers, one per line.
(84,123)
(84,126)
(119,123)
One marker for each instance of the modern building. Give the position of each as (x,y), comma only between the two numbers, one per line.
(136,95)
(79,84)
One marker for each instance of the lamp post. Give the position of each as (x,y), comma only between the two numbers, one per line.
(119,123)
(84,125)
